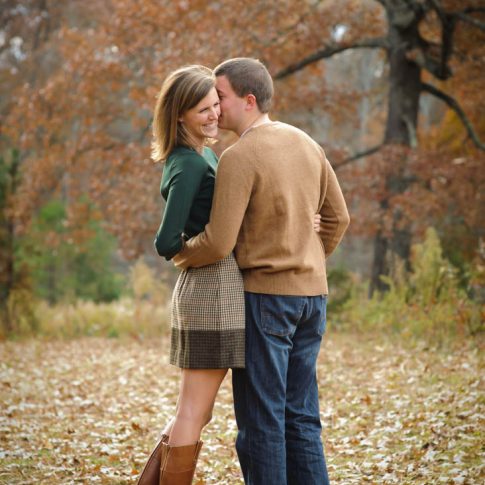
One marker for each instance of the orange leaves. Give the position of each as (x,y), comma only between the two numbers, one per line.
(80,104)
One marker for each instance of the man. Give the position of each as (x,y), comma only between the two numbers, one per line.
(269,185)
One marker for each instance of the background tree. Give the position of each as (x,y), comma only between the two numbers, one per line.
(419,43)
(80,103)
(9,181)
(68,258)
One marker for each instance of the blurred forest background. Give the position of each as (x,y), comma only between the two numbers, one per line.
(392,89)
(394,92)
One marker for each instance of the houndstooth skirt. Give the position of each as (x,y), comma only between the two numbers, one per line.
(208,328)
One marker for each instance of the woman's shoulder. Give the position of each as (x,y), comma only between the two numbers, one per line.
(183,157)
(182,153)
(210,156)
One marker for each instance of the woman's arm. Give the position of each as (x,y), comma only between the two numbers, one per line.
(184,185)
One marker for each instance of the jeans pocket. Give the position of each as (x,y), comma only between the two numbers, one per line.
(280,314)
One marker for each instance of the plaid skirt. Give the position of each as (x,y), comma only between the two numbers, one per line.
(208,327)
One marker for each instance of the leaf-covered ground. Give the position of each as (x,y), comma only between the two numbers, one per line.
(89,411)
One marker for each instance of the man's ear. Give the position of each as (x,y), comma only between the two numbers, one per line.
(251,102)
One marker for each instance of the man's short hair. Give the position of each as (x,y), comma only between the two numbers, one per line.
(248,76)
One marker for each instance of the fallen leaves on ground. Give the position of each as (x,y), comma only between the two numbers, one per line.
(90,411)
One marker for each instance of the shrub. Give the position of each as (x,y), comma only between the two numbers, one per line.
(70,260)
(427,303)
(145,314)
(124,317)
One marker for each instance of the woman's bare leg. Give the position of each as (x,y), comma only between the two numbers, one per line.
(198,391)
(168,427)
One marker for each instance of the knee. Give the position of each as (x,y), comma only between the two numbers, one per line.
(309,430)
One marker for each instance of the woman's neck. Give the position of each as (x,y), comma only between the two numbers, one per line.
(196,144)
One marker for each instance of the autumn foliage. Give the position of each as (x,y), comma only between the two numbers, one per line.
(79,81)
(393,91)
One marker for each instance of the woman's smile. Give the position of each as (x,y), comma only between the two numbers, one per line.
(201,121)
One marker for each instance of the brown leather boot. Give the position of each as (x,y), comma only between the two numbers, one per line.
(178,463)
(151,473)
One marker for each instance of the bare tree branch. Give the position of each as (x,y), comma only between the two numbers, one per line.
(384,3)
(447,31)
(470,20)
(453,104)
(473,10)
(431,63)
(86,149)
(329,51)
(358,155)
(436,6)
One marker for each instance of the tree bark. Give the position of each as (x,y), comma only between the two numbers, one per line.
(7,278)
(401,127)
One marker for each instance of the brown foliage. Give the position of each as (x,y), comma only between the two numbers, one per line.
(80,101)
(90,410)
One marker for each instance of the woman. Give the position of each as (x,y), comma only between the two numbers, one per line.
(208,304)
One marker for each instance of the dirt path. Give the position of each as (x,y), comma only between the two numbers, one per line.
(88,411)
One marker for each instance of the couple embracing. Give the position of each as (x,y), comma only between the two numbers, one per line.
(252,244)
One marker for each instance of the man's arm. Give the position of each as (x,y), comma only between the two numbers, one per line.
(234,181)
(335,216)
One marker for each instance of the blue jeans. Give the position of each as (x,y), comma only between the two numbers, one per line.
(276,396)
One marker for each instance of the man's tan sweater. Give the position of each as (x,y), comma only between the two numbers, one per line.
(269,186)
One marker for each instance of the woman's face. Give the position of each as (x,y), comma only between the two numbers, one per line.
(201,120)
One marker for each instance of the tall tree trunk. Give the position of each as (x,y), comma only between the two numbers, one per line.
(7,248)
(402,117)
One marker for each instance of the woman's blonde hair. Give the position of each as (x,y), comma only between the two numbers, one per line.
(180,91)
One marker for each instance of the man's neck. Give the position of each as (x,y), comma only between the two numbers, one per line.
(259,119)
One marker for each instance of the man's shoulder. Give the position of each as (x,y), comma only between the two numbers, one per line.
(285,129)
(249,146)
(235,152)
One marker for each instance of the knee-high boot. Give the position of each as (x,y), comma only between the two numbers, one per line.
(178,463)
(151,472)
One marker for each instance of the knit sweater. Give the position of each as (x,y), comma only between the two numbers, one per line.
(269,185)
(187,186)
